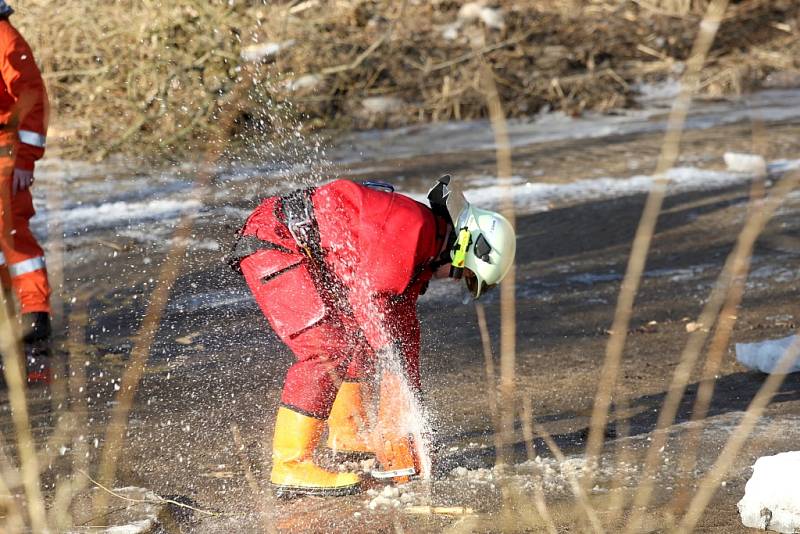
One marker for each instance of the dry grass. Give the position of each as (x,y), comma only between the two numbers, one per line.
(152,81)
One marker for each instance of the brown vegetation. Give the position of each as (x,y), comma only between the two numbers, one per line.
(150,76)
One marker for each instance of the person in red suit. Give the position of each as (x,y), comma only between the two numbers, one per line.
(337,271)
(23,131)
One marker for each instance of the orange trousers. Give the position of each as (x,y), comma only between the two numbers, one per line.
(22,264)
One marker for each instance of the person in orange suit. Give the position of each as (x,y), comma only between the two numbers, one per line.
(23,130)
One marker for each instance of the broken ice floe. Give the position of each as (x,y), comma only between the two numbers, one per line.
(764,356)
(772,495)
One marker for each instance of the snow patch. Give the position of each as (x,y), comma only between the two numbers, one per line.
(536,197)
(112,213)
(764,356)
(772,495)
(658,92)
(212,299)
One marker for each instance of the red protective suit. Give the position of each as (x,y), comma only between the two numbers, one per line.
(23,127)
(381,246)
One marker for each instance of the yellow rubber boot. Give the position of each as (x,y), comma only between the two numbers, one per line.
(293,469)
(347,432)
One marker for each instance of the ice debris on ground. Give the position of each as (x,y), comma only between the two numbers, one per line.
(306,82)
(491,17)
(137,527)
(264,51)
(772,495)
(390,497)
(358,466)
(115,213)
(553,476)
(749,163)
(378,105)
(764,355)
(139,517)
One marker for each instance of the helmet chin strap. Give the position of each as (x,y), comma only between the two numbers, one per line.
(460,253)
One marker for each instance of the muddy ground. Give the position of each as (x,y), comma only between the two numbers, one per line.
(206,406)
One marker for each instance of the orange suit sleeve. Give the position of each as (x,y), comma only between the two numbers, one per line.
(25,84)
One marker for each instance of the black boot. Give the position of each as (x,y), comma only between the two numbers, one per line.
(36,333)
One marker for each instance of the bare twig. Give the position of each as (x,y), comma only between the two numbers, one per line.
(159,500)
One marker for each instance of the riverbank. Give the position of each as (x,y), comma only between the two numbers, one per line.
(167,79)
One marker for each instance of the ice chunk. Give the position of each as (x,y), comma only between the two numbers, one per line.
(307,82)
(749,163)
(450,31)
(764,355)
(772,496)
(493,18)
(264,51)
(382,104)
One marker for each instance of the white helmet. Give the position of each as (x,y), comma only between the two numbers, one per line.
(484,245)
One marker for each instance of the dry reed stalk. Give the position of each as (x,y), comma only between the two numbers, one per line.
(79,408)
(508,323)
(168,274)
(14,521)
(716,352)
(709,315)
(14,372)
(538,492)
(129,383)
(623,456)
(575,485)
(646,229)
(491,377)
(722,335)
(710,483)
(248,473)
